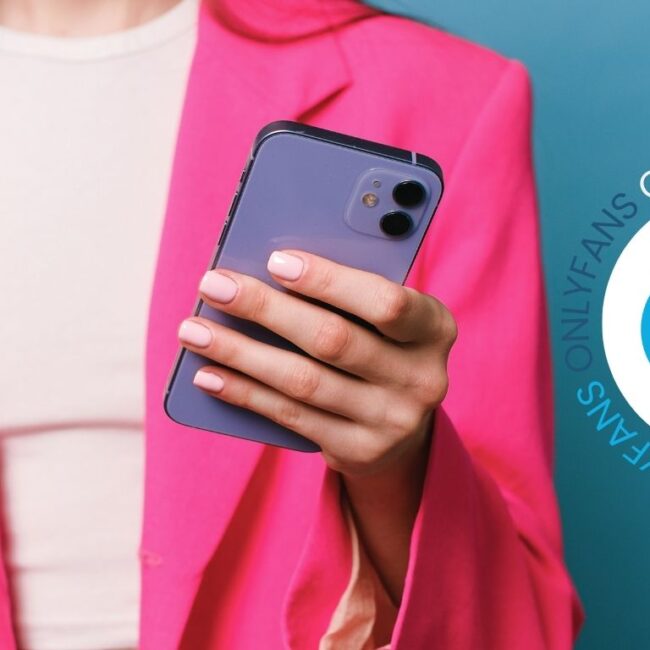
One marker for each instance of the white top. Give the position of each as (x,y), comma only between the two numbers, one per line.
(87,134)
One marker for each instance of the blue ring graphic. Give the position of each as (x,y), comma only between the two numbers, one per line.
(645,329)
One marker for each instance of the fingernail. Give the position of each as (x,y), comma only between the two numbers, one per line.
(208,381)
(218,287)
(195,334)
(285,266)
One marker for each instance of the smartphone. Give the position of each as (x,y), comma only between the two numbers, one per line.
(360,203)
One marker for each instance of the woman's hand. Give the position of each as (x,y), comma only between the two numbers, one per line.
(368,405)
(366,398)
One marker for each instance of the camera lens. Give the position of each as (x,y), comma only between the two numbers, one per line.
(395,223)
(408,193)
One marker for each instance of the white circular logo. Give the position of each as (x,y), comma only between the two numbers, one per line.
(626,323)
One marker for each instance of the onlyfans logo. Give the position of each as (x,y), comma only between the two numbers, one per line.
(626,323)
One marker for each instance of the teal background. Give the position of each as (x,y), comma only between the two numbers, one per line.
(589,63)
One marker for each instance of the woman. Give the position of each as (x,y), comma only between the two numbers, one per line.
(425,523)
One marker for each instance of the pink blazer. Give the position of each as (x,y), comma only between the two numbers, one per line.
(244,547)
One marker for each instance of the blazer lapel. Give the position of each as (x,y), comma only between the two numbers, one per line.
(195,479)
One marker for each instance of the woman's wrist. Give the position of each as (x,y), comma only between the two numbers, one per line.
(384,505)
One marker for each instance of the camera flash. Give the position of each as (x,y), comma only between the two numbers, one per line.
(369,199)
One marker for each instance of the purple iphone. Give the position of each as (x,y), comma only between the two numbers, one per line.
(356,202)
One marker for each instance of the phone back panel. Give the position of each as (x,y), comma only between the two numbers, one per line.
(296,192)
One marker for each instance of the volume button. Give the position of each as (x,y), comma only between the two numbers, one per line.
(233,203)
(224,229)
(231,209)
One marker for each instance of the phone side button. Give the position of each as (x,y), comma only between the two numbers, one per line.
(233,203)
(224,229)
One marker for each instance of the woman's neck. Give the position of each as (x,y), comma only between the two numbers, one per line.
(79,17)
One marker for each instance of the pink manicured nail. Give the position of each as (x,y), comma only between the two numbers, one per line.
(195,334)
(285,266)
(208,381)
(218,287)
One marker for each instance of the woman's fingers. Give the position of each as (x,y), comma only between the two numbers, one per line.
(325,429)
(372,394)
(399,312)
(321,333)
(295,375)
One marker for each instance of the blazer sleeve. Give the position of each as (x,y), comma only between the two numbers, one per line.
(486,567)
(364,604)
